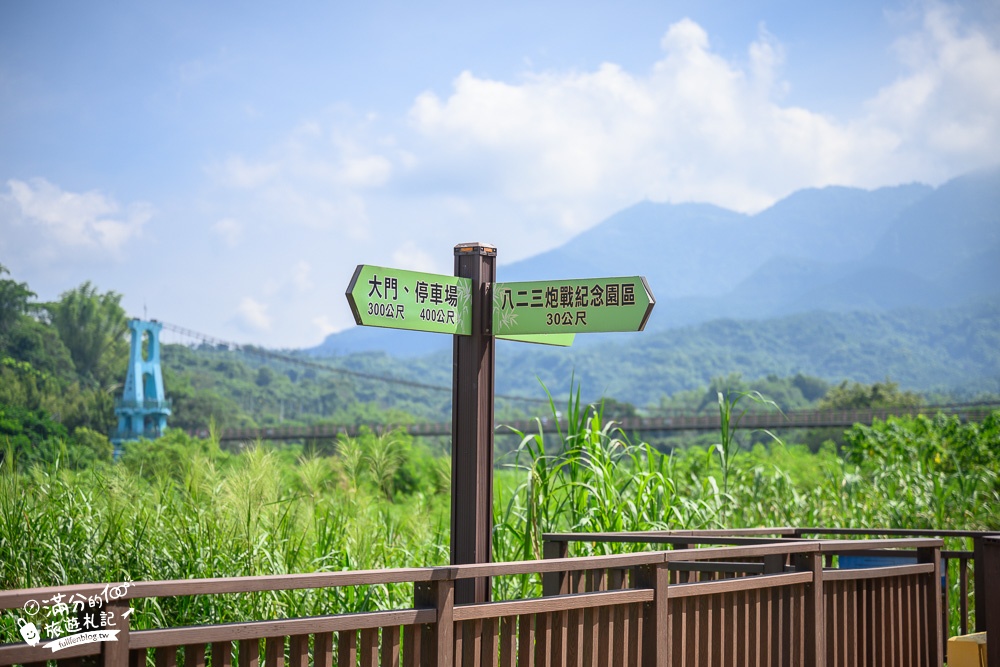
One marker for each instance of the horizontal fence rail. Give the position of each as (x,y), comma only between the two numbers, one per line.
(679,422)
(958,567)
(969,562)
(746,604)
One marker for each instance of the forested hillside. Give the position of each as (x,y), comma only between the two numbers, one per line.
(954,351)
(62,365)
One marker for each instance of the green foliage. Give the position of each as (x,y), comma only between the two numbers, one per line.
(71,363)
(179,508)
(593,479)
(728,448)
(158,460)
(784,393)
(389,462)
(924,472)
(612,409)
(857,396)
(955,350)
(39,345)
(93,328)
(34,438)
(811,388)
(91,447)
(182,507)
(21,384)
(930,471)
(384,456)
(194,406)
(238,390)
(14,298)
(66,364)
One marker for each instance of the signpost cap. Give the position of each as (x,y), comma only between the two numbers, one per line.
(476,248)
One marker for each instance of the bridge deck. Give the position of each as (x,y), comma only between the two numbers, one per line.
(752,420)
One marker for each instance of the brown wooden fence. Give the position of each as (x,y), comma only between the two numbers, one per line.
(968,568)
(748,604)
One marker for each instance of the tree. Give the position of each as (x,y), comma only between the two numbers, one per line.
(14,298)
(33,437)
(733,383)
(35,343)
(812,388)
(611,409)
(857,396)
(93,328)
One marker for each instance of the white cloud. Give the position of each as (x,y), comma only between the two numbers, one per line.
(229,230)
(579,145)
(943,115)
(411,257)
(239,173)
(364,171)
(694,127)
(252,315)
(525,163)
(317,178)
(325,326)
(51,224)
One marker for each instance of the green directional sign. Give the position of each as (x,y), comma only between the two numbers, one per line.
(398,299)
(571,306)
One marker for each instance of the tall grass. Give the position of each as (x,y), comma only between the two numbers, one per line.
(910,473)
(181,508)
(215,515)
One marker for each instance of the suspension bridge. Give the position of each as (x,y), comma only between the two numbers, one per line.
(771,420)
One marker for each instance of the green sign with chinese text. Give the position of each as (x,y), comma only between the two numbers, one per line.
(398,299)
(571,306)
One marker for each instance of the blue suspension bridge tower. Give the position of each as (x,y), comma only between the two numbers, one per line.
(143,408)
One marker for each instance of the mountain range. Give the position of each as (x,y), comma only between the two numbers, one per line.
(833,249)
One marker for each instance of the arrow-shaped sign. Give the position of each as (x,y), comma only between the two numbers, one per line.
(399,299)
(571,306)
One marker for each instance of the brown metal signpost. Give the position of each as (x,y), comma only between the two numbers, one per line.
(470,306)
(472,425)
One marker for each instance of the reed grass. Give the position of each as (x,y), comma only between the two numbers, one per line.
(182,508)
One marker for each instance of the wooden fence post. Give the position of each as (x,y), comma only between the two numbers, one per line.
(991,603)
(815,620)
(979,582)
(115,654)
(555,583)
(439,639)
(933,602)
(774,563)
(656,625)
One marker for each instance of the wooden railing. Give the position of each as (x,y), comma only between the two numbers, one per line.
(749,604)
(980,564)
(968,561)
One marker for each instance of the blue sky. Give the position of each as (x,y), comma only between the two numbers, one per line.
(226,165)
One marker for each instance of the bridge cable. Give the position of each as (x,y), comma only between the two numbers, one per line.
(290,359)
